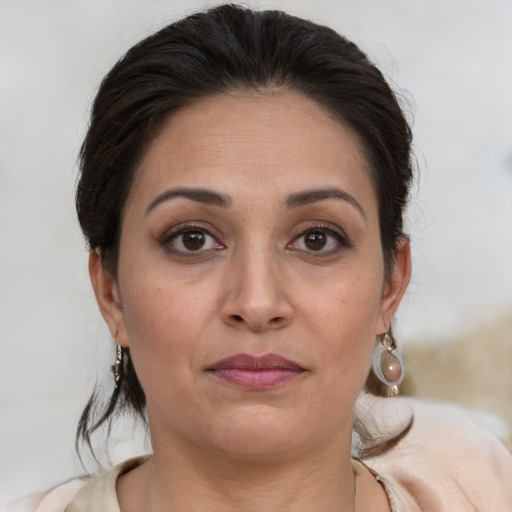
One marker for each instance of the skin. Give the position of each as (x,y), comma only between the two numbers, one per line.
(255,287)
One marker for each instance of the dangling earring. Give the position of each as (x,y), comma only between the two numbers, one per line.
(388,364)
(117,367)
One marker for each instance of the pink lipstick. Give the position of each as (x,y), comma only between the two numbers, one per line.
(257,373)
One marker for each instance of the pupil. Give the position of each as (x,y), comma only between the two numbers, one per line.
(316,240)
(193,240)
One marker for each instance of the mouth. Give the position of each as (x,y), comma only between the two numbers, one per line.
(256,373)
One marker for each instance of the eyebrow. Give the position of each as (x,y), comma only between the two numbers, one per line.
(312,196)
(201,195)
(297,200)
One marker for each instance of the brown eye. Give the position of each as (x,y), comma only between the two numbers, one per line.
(322,240)
(315,240)
(193,240)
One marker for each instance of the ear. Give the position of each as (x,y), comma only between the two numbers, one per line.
(395,286)
(107,295)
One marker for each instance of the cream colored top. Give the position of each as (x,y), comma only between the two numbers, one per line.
(445,464)
(99,494)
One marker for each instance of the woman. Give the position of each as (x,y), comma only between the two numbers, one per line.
(242,189)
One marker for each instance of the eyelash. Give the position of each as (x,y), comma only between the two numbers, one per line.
(170,237)
(340,239)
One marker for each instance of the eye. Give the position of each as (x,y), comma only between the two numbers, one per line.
(191,239)
(318,239)
(315,240)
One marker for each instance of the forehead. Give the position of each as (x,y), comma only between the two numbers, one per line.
(275,140)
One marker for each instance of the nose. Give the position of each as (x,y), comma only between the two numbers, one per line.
(256,298)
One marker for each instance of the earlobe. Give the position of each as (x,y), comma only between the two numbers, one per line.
(107,294)
(396,284)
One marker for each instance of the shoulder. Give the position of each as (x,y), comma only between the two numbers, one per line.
(85,494)
(447,461)
(53,500)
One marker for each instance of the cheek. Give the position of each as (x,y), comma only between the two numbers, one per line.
(343,315)
(164,326)
(155,314)
(347,303)
(164,318)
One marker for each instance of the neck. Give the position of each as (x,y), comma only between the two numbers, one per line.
(189,480)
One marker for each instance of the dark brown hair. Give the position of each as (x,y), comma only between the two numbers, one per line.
(224,49)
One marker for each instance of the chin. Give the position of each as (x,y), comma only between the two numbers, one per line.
(260,433)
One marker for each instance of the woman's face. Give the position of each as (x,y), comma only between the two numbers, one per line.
(250,281)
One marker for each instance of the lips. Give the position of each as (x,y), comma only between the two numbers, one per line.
(256,373)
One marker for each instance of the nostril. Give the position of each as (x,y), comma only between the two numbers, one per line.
(276,320)
(238,318)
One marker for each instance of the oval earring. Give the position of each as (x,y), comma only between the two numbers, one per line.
(388,364)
